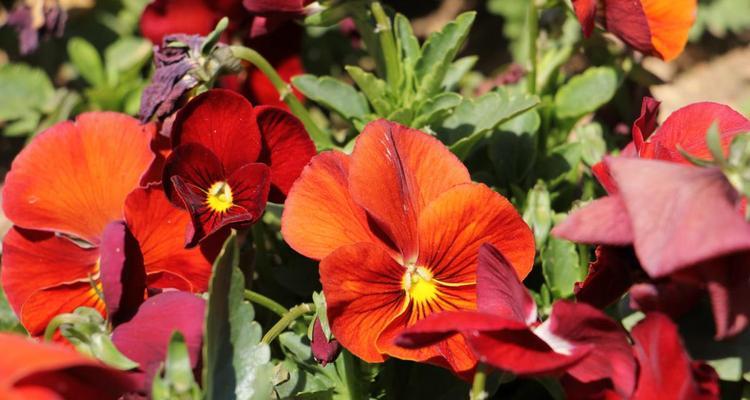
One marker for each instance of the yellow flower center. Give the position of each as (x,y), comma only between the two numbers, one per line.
(219,197)
(419,285)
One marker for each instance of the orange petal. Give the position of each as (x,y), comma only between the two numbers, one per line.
(669,22)
(395,173)
(159,228)
(453,227)
(45,304)
(34,260)
(320,215)
(73,178)
(362,284)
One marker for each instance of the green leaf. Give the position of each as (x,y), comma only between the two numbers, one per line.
(236,364)
(319,300)
(457,70)
(560,162)
(538,212)
(473,118)
(592,143)
(560,267)
(87,61)
(513,147)
(178,381)
(585,93)
(125,56)
(374,89)
(213,37)
(334,95)
(438,52)
(713,140)
(408,41)
(24,90)
(436,108)
(8,320)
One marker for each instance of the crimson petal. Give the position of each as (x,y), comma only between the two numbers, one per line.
(123,274)
(499,291)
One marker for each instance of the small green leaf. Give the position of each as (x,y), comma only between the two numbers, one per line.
(319,300)
(24,90)
(457,70)
(236,364)
(592,143)
(474,118)
(87,61)
(713,140)
(374,89)
(538,212)
(436,108)
(177,380)
(8,320)
(585,93)
(213,37)
(125,56)
(407,39)
(335,95)
(560,267)
(513,147)
(438,52)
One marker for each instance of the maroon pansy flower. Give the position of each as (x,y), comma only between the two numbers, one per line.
(229,158)
(577,340)
(324,351)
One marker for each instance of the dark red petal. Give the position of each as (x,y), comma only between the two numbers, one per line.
(123,274)
(610,276)
(275,6)
(323,350)
(144,338)
(164,17)
(673,297)
(645,125)
(586,13)
(680,215)
(728,283)
(250,186)
(627,20)
(287,148)
(602,221)
(579,324)
(223,122)
(665,368)
(499,291)
(195,165)
(602,174)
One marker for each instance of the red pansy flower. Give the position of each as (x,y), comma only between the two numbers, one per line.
(576,340)
(228,158)
(62,192)
(655,27)
(197,17)
(397,226)
(44,371)
(270,14)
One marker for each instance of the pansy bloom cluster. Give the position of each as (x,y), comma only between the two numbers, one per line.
(408,220)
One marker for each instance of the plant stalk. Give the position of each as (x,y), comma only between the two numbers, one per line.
(532,29)
(388,46)
(266,302)
(480,379)
(293,313)
(321,138)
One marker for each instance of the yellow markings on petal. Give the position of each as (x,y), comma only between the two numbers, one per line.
(419,285)
(219,197)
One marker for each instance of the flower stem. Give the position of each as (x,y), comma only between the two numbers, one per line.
(289,317)
(387,46)
(532,29)
(480,379)
(321,138)
(266,302)
(58,321)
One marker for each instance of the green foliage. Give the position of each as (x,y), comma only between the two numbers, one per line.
(236,365)
(175,379)
(8,320)
(561,267)
(720,18)
(586,92)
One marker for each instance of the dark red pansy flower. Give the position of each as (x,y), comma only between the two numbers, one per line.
(665,369)
(228,158)
(36,371)
(324,351)
(145,338)
(576,340)
(193,17)
(271,14)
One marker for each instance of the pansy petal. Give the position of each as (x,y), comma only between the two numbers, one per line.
(362,284)
(671,296)
(645,124)
(223,122)
(34,260)
(586,13)
(687,127)
(123,277)
(665,367)
(45,304)
(610,276)
(27,367)
(688,216)
(499,291)
(144,339)
(195,165)
(159,228)
(602,221)
(627,20)
(165,17)
(454,226)
(727,281)
(669,22)
(395,173)
(73,177)
(578,324)
(439,326)
(319,214)
(287,148)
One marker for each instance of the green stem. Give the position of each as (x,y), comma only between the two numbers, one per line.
(532,28)
(388,46)
(348,369)
(321,138)
(480,379)
(58,321)
(293,313)
(266,302)
(364,27)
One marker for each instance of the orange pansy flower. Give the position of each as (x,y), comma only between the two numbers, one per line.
(398,226)
(62,191)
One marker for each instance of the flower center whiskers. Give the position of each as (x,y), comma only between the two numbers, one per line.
(219,197)
(419,285)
